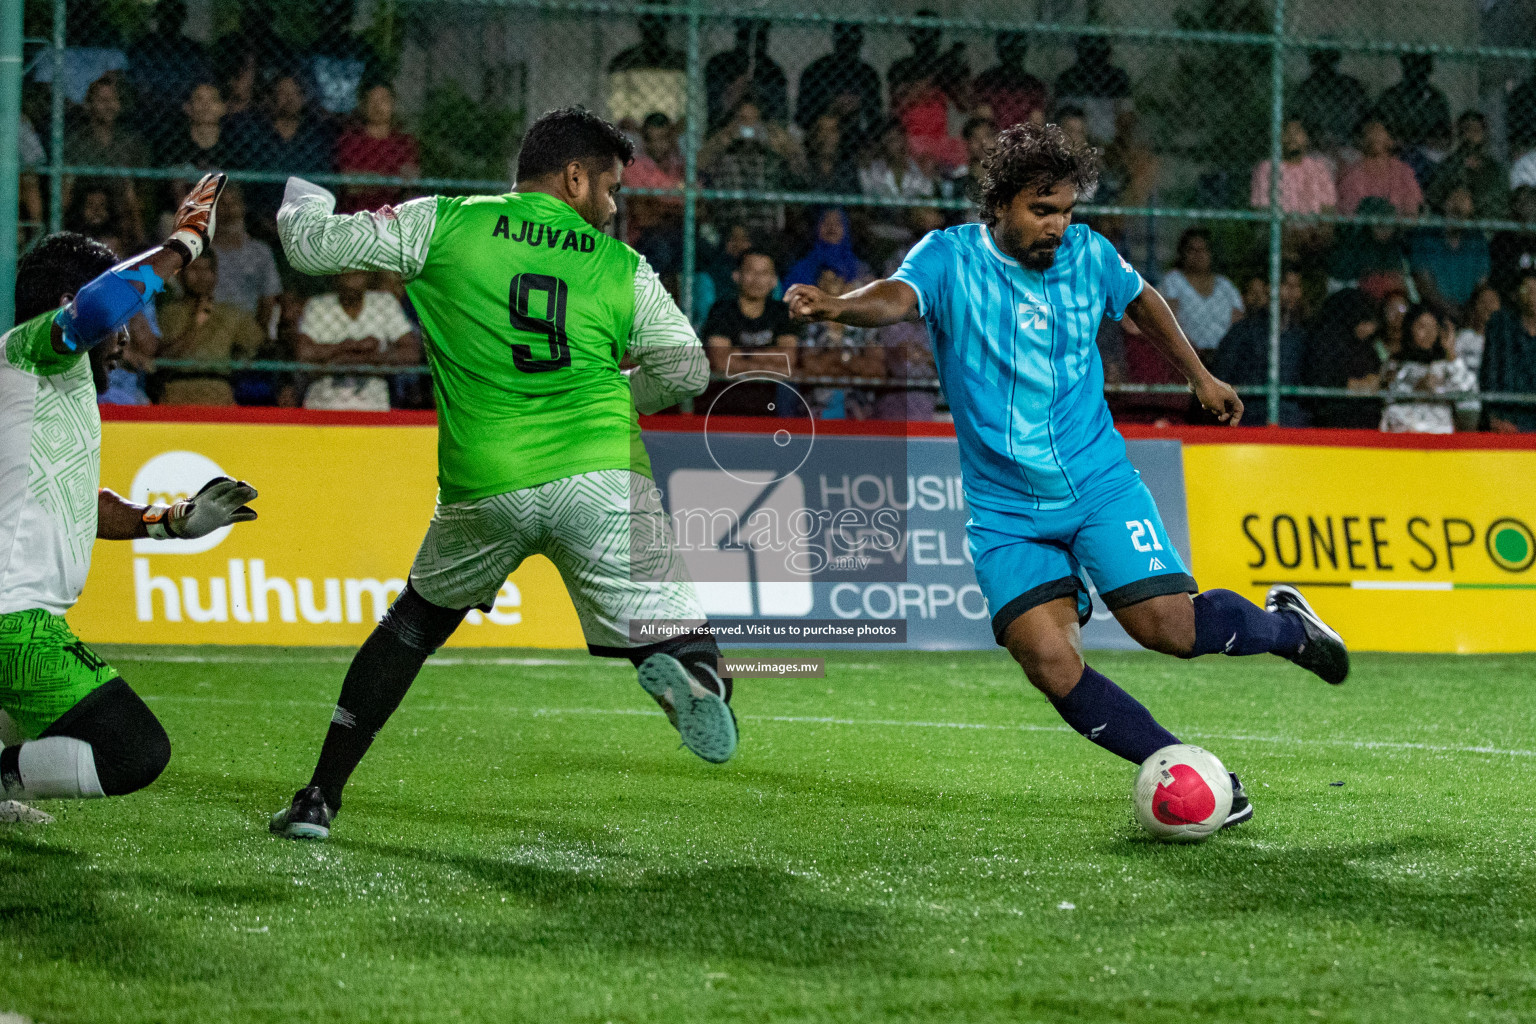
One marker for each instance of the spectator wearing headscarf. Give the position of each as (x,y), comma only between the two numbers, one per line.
(1344,351)
(831,250)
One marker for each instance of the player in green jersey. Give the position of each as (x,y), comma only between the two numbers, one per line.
(527,309)
(69,725)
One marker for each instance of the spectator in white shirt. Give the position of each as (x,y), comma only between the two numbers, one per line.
(354,326)
(1205,303)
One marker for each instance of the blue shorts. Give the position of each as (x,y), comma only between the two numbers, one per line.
(1027,557)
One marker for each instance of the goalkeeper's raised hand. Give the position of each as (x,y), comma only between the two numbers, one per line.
(104,305)
(220,503)
(195,218)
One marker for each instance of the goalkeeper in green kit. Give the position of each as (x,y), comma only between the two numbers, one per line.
(527,309)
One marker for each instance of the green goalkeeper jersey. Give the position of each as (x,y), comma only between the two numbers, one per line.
(526,313)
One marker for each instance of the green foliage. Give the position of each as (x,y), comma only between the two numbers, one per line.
(461,138)
(525,842)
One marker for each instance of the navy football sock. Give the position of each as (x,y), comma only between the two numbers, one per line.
(1112,718)
(1229,623)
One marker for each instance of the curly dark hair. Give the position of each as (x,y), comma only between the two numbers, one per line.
(1033,158)
(570,133)
(59,265)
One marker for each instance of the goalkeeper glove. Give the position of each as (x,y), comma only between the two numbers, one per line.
(220,503)
(195,218)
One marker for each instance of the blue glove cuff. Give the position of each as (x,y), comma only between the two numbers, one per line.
(105,304)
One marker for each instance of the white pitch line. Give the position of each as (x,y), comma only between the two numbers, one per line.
(896,723)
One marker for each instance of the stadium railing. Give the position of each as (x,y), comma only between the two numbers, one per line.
(1197,94)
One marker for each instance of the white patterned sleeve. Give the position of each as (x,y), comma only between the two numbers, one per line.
(672,364)
(316,240)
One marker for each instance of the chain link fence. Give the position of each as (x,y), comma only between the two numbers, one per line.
(1397,236)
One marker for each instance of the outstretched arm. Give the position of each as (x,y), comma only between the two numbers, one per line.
(105,304)
(317,241)
(877,304)
(1151,315)
(221,502)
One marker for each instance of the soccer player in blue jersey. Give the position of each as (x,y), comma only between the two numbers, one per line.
(1013,305)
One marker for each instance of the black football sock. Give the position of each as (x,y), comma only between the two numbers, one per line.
(1112,718)
(1229,623)
(382,671)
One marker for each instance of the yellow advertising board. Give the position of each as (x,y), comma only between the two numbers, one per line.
(1399,549)
(342,511)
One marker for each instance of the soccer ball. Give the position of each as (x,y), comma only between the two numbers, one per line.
(1182,794)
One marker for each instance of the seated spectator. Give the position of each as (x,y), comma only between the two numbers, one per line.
(1205,303)
(1509,360)
(341,59)
(1012,95)
(832,249)
(354,326)
(247,272)
(1470,342)
(923,85)
(1342,352)
(908,359)
(843,86)
(1128,178)
(1473,335)
(750,333)
(830,164)
(1426,365)
(235,71)
(980,136)
(93,211)
(1393,316)
(830,349)
(659,165)
(1073,121)
(286,136)
(1414,108)
(1371,257)
(1379,173)
(649,77)
(376,146)
(1095,85)
(164,65)
(1329,103)
(1242,360)
(102,141)
(1523,171)
(1471,164)
(749,153)
(1425,158)
(202,145)
(893,172)
(1511,253)
(1306,180)
(1448,263)
(198,326)
(732,77)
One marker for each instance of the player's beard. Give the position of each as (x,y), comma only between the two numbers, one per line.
(1038,256)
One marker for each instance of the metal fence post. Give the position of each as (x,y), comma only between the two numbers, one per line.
(56,124)
(1276,220)
(695,114)
(10,145)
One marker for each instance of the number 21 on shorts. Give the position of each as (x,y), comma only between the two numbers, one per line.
(1142,531)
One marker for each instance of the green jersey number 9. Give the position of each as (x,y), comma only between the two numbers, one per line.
(551,325)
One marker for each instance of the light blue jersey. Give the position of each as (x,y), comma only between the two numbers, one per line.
(1017,355)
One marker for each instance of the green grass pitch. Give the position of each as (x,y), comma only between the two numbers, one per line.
(915,837)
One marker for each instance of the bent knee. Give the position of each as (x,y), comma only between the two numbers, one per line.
(126,764)
(1053,668)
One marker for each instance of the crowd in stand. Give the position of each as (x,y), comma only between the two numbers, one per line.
(1405,315)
